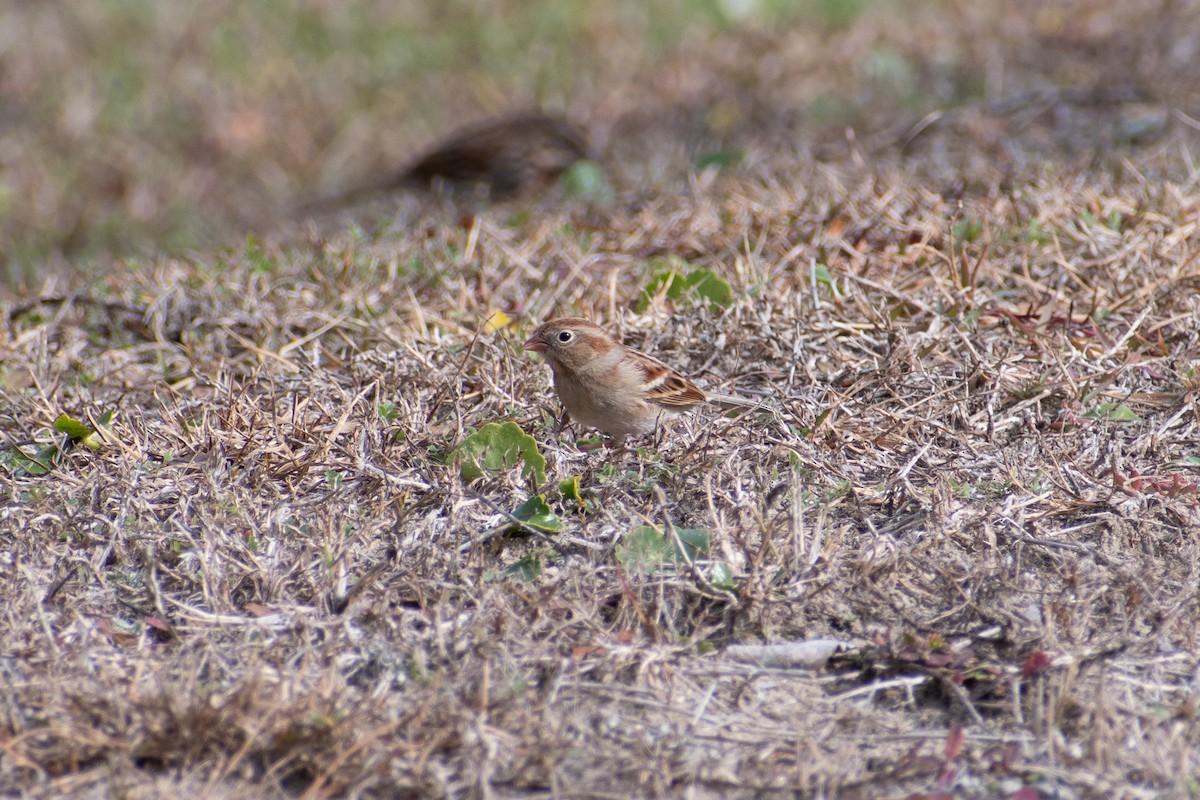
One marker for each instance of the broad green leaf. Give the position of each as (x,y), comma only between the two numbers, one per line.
(535,513)
(1117,412)
(673,280)
(569,489)
(18,463)
(721,159)
(696,542)
(643,549)
(647,549)
(78,432)
(528,569)
(722,576)
(496,448)
(387,409)
(572,496)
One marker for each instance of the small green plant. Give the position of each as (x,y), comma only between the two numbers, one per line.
(257,258)
(528,569)
(722,159)
(965,231)
(646,549)
(586,181)
(294,527)
(19,463)
(572,496)
(1036,232)
(823,277)
(721,576)
(963,489)
(671,279)
(1114,412)
(496,448)
(535,513)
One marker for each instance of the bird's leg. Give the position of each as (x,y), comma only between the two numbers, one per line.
(563,422)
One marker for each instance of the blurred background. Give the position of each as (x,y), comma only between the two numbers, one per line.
(134,127)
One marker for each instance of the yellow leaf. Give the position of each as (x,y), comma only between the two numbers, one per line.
(497,320)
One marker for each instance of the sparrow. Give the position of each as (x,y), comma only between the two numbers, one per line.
(603,384)
(498,158)
(506,156)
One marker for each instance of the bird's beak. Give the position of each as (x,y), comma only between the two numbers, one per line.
(535,344)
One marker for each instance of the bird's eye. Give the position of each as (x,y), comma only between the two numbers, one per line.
(565,336)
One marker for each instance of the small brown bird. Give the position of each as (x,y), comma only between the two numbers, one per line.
(505,156)
(497,158)
(605,385)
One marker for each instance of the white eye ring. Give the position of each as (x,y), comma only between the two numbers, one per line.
(565,336)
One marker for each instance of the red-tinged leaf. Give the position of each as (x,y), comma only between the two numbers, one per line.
(587,651)
(157,624)
(1025,793)
(938,659)
(931,796)
(907,654)
(954,741)
(625,636)
(119,638)
(257,609)
(1034,663)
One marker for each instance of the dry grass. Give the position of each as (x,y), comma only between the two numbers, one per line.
(979,468)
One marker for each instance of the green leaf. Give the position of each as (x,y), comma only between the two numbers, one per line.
(822,275)
(698,285)
(966,230)
(586,181)
(696,543)
(76,431)
(528,569)
(722,576)
(535,513)
(19,463)
(721,159)
(572,496)
(497,447)
(646,549)
(1037,232)
(1117,412)
(387,409)
(569,489)
(643,549)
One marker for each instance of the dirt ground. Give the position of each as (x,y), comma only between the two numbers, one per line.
(954,249)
